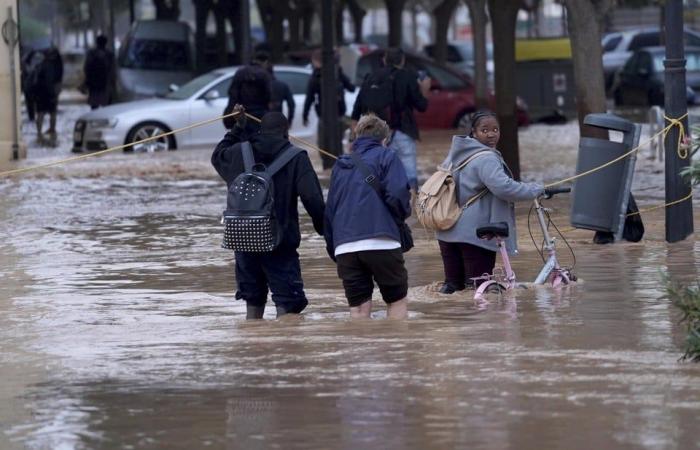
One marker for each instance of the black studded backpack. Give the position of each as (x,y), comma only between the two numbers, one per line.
(250,224)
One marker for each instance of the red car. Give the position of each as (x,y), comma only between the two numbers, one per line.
(451,97)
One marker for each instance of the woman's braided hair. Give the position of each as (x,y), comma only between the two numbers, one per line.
(477,116)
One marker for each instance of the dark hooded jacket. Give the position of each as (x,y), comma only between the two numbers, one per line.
(354,211)
(295,180)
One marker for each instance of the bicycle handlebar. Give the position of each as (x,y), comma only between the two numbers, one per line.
(551,192)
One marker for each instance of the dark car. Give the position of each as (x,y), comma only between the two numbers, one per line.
(451,98)
(641,80)
(619,46)
(461,55)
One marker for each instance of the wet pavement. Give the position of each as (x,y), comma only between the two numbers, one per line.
(118,329)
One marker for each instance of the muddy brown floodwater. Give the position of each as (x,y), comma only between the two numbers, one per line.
(119,330)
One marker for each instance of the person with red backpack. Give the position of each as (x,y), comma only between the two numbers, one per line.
(392,94)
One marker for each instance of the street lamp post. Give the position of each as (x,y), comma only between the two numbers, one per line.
(679,217)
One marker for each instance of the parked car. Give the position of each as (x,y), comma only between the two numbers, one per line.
(203,98)
(461,55)
(451,99)
(619,46)
(154,55)
(641,80)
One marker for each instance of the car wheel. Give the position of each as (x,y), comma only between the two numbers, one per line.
(146,130)
(463,121)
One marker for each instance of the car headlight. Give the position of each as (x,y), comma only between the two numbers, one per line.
(102,123)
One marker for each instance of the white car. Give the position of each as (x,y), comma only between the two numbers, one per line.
(203,98)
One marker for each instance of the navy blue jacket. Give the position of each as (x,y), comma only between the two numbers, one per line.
(354,211)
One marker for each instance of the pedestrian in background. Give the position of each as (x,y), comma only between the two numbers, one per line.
(278,270)
(280,93)
(313,97)
(47,89)
(31,62)
(408,93)
(251,91)
(361,230)
(99,74)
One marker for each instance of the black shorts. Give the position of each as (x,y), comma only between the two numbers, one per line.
(386,267)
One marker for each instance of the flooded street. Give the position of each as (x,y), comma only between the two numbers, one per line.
(119,328)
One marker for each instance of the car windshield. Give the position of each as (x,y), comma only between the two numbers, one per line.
(190,88)
(692,62)
(151,54)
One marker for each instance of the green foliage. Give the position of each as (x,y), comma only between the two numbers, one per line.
(687,300)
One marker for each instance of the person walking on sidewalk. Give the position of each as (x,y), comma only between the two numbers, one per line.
(99,74)
(464,255)
(47,90)
(361,230)
(404,92)
(278,270)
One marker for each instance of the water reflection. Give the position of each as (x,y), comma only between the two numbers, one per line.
(118,329)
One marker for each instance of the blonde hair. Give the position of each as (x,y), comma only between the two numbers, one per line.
(372,126)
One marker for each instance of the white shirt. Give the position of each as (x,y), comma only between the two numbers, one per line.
(367,244)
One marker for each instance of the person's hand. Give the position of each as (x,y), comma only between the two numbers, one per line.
(239,110)
(424,85)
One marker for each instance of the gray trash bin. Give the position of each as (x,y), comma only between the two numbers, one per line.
(600,199)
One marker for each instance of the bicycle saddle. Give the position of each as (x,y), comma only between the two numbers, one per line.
(497,229)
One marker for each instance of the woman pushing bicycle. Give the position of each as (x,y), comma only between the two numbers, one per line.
(486,177)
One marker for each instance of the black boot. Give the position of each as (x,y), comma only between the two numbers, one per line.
(448,288)
(254,312)
(281,311)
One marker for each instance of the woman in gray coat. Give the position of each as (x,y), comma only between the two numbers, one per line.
(465,256)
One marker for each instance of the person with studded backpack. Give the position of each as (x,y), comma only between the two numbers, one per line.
(266,176)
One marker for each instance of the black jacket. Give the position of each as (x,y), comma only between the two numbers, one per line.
(250,87)
(295,180)
(407,97)
(313,93)
(98,69)
(280,94)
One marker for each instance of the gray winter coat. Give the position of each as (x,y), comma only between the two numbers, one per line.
(490,171)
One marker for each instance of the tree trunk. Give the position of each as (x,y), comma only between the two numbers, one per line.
(167,9)
(273,21)
(503,17)
(307,12)
(479,19)
(221,39)
(201,13)
(585,19)
(358,16)
(442,14)
(339,9)
(231,10)
(294,19)
(394,9)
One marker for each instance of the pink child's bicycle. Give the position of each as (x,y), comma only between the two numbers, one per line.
(504,279)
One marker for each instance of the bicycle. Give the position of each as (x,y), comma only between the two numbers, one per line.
(552,272)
